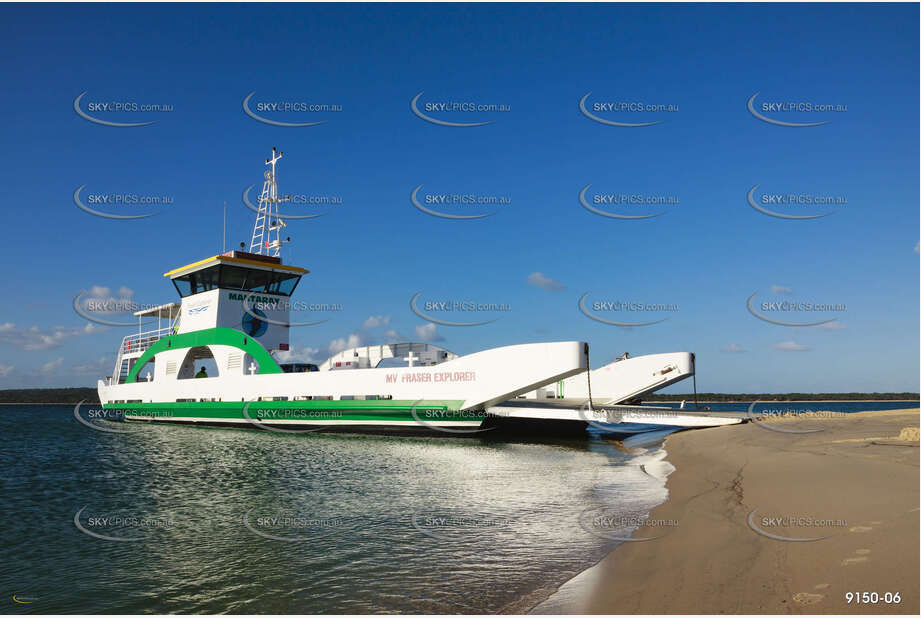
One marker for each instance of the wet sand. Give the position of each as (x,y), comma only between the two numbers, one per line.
(854,484)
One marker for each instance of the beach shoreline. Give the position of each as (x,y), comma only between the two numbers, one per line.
(746,498)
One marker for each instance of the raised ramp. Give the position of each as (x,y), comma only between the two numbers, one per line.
(622,380)
(503,373)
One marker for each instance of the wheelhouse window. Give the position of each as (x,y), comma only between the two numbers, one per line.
(257,281)
(233,277)
(284,283)
(197,282)
(183,286)
(204,280)
(236,278)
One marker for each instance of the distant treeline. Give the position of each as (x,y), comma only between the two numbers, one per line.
(73,395)
(49,395)
(784,397)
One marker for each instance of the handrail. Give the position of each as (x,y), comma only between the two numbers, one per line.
(138,342)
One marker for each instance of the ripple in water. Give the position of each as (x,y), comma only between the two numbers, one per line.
(243,521)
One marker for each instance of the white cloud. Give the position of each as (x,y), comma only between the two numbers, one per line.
(354,340)
(791,346)
(917,245)
(732,348)
(5,370)
(35,339)
(364,335)
(376,321)
(302,354)
(52,366)
(781,289)
(428,332)
(538,279)
(101,291)
(835,325)
(101,300)
(392,336)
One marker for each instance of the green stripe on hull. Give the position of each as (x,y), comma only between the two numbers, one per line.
(322,411)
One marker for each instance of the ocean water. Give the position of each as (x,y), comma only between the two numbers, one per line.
(773,408)
(168,519)
(796,407)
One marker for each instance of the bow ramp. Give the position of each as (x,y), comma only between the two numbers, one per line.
(634,377)
(503,373)
(631,378)
(627,378)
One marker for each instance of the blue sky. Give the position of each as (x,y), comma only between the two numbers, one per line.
(372,253)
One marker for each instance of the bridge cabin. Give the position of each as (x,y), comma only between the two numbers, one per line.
(245,292)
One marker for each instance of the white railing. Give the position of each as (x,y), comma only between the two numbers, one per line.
(141,341)
(136,344)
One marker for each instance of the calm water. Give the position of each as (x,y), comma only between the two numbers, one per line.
(778,407)
(240,521)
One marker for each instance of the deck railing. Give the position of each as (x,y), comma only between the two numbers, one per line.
(139,342)
(135,344)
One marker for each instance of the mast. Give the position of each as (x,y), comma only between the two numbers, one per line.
(224,230)
(267,230)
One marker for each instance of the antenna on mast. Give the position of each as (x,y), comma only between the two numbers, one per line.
(224,230)
(267,230)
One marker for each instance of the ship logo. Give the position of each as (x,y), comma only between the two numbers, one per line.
(253,325)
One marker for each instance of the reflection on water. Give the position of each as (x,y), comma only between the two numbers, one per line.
(243,521)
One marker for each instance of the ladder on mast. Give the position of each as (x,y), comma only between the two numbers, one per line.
(266,238)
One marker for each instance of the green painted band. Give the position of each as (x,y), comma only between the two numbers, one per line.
(209,336)
(322,410)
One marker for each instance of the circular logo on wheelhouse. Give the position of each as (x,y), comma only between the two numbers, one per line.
(252,324)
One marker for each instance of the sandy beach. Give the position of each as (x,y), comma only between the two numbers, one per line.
(747,499)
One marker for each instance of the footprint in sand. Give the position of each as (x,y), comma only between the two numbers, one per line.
(862,552)
(850,561)
(876,523)
(821,586)
(807,598)
(860,529)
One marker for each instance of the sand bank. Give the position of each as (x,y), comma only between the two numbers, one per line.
(747,497)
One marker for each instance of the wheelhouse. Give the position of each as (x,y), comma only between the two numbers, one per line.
(237,270)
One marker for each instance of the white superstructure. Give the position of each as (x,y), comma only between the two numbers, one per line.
(234,311)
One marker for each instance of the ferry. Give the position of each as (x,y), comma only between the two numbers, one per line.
(234,310)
